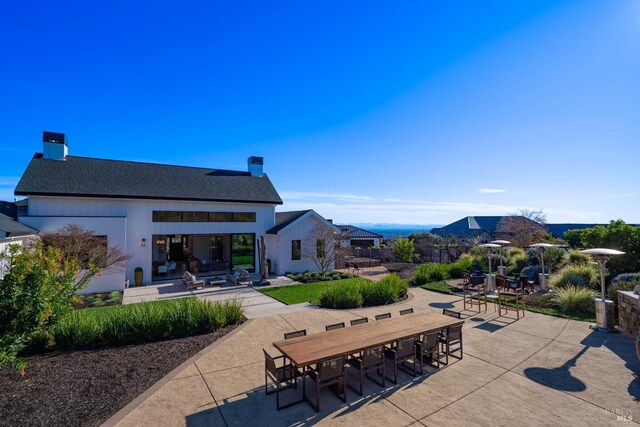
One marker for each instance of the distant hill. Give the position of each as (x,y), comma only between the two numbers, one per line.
(396,230)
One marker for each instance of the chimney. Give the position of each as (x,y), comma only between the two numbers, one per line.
(255,165)
(54,145)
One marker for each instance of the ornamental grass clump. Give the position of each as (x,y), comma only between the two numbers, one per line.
(575,299)
(77,330)
(341,296)
(583,275)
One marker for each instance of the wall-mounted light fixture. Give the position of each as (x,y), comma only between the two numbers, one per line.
(143,242)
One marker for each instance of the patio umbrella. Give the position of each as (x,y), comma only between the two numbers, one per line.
(501,243)
(263,260)
(490,247)
(541,248)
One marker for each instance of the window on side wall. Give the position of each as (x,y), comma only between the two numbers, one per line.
(295,250)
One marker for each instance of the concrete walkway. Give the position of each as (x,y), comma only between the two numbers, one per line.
(539,370)
(255,303)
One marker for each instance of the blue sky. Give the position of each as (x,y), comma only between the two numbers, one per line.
(415,112)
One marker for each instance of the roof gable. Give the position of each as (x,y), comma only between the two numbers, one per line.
(353,232)
(89,177)
(284,220)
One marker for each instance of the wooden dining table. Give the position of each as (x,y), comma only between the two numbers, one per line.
(311,349)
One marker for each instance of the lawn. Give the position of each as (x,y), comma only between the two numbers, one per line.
(99,312)
(442,286)
(308,292)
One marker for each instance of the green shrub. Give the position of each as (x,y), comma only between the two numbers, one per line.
(341,296)
(404,250)
(77,330)
(432,272)
(622,285)
(576,275)
(144,322)
(575,299)
(577,258)
(378,293)
(626,277)
(458,269)
(38,288)
(516,260)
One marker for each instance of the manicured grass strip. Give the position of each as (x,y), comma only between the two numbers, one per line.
(99,312)
(443,287)
(296,294)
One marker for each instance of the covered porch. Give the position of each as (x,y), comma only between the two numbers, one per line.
(201,254)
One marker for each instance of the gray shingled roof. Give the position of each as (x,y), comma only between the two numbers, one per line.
(285,218)
(353,232)
(469,226)
(89,177)
(8,224)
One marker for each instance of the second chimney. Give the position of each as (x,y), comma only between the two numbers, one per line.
(255,165)
(54,145)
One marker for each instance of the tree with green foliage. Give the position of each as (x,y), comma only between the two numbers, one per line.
(35,292)
(405,250)
(617,235)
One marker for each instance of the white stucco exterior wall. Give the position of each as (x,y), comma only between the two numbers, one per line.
(126,222)
(280,245)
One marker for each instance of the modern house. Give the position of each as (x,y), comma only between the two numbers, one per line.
(167,218)
(358,237)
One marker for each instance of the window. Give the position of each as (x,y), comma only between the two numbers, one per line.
(243,251)
(295,250)
(220,216)
(195,216)
(167,216)
(191,216)
(320,252)
(244,217)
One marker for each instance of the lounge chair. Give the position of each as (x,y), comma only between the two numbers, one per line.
(190,281)
(238,276)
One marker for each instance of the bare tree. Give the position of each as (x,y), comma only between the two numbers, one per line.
(91,253)
(322,246)
(523,228)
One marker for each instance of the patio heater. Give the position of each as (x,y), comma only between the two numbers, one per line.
(541,248)
(604,307)
(491,279)
(501,269)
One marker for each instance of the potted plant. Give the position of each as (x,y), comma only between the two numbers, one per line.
(138,276)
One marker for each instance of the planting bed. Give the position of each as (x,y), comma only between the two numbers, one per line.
(87,387)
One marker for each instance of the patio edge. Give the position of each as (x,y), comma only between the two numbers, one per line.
(131,406)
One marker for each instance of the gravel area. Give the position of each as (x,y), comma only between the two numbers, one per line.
(87,387)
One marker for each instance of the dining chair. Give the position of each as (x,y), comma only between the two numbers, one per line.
(369,360)
(359,321)
(286,374)
(334,326)
(402,351)
(328,372)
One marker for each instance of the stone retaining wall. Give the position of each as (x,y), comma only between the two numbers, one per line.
(629,312)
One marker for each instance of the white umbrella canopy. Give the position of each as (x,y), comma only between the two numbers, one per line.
(491,247)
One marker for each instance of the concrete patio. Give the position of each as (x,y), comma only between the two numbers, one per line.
(539,370)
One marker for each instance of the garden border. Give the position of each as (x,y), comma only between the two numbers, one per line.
(131,406)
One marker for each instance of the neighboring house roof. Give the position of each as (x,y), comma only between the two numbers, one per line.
(353,232)
(286,219)
(558,230)
(469,226)
(89,177)
(8,224)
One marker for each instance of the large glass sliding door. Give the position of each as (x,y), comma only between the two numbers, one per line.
(243,251)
